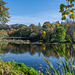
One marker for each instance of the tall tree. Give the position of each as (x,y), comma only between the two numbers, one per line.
(68,10)
(4,14)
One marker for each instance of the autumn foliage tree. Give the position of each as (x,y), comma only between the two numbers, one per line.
(67,10)
(43,34)
(46,24)
(10,31)
(4,14)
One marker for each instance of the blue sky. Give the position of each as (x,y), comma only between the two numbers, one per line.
(34,11)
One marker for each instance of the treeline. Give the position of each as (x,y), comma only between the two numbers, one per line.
(46,33)
(14,26)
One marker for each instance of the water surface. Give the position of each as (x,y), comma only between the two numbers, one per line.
(30,54)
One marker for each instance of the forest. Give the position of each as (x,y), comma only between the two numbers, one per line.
(47,32)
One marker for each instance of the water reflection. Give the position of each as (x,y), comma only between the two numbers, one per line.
(29,54)
(46,50)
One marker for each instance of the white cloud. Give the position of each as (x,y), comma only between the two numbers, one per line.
(36,18)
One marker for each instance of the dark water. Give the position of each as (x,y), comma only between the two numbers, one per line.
(30,54)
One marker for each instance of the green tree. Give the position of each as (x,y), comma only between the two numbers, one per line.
(4,14)
(60,33)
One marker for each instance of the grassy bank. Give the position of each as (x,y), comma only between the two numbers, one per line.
(15,68)
(29,42)
(19,41)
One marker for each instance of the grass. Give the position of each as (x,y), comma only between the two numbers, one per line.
(15,68)
(65,68)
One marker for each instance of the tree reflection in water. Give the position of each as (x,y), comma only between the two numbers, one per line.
(46,50)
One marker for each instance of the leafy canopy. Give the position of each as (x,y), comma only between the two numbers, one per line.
(67,9)
(4,14)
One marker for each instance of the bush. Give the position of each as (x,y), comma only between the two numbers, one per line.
(15,68)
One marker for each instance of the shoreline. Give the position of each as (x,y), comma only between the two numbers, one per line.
(28,42)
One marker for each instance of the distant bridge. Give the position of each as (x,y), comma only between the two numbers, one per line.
(23,38)
(32,39)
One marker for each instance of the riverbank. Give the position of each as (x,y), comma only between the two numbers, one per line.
(19,41)
(28,42)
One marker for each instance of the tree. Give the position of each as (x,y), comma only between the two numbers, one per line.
(47,24)
(43,34)
(4,14)
(68,10)
(60,33)
(32,26)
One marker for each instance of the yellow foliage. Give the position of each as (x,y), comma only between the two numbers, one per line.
(47,24)
(72,16)
(43,34)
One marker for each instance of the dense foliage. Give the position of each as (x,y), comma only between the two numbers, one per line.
(46,33)
(60,33)
(4,14)
(67,10)
(3,33)
(15,68)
